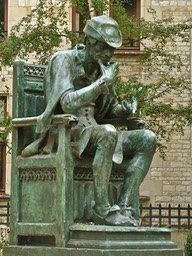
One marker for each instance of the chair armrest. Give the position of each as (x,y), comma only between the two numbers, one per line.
(25,121)
(65,119)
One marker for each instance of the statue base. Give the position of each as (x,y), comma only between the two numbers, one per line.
(96,240)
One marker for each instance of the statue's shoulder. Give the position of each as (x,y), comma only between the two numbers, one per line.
(63,54)
(71,53)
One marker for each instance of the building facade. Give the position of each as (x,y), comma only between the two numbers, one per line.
(168,181)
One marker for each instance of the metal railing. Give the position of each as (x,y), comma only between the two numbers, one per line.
(179,217)
(167,216)
(5,213)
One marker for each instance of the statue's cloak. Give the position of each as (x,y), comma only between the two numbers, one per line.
(65,74)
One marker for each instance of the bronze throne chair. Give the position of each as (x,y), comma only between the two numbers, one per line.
(49,192)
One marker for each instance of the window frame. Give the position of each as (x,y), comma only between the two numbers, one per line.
(3,152)
(74,12)
(138,11)
(3,98)
(3,167)
(5,18)
(123,48)
(74,21)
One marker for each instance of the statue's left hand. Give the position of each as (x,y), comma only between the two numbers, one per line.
(135,101)
(131,108)
(126,107)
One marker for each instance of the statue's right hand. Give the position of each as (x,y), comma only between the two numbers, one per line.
(108,72)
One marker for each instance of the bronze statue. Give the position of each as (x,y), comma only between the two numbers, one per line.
(80,82)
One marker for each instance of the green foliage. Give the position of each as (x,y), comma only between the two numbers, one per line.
(4,239)
(129,27)
(40,32)
(166,82)
(43,31)
(188,246)
(6,122)
(165,118)
(6,128)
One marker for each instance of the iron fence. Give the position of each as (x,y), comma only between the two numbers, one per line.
(167,216)
(5,213)
(179,217)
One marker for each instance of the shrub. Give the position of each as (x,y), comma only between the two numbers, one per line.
(4,239)
(188,246)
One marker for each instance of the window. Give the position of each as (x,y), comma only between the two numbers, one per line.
(3,111)
(2,166)
(78,20)
(3,107)
(3,17)
(130,7)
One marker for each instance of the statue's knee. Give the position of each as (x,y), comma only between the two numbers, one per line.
(109,130)
(109,134)
(150,140)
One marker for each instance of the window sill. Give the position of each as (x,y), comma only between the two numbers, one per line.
(128,53)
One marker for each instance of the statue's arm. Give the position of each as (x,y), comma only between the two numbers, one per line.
(60,77)
(125,109)
(73,100)
(118,109)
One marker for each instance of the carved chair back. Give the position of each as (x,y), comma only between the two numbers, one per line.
(28,100)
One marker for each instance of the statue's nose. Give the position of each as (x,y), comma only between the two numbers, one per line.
(108,52)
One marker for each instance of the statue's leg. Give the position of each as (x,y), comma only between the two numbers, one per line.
(102,142)
(142,145)
(51,140)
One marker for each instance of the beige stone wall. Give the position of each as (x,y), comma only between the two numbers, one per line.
(168,181)
(7,74)
(175,173)
(180,238)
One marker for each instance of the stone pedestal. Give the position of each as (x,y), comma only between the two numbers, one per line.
(88,240)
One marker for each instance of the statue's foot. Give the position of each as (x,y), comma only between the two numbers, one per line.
(30,150)
(129,211)
(33,148)
(114,218)
(118,219)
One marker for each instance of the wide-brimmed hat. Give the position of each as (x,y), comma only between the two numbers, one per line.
(105,29)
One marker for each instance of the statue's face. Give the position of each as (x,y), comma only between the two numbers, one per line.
(101,51)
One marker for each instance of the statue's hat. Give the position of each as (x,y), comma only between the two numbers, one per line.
(105,29)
